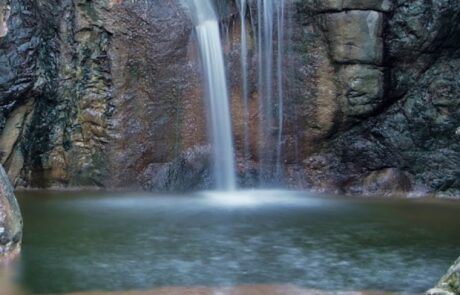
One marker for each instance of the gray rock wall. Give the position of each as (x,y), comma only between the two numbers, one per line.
(399,101)
(108,94)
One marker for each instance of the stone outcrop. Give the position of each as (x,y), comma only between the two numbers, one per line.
(449,283)
(354,33)
(10,220)
(108,94)
(400,109)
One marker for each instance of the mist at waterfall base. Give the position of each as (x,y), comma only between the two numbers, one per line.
(86,242)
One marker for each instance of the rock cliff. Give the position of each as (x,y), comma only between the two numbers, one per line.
(107,93)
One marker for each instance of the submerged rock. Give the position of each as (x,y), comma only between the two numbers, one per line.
(190,171)
(10,220)
(449,283)
(385,182)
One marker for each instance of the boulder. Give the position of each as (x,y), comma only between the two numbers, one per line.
(189,171)
(10,220)
(449,283)
(384,182)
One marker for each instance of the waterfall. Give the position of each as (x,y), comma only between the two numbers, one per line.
(244,79)
(212,59)
(270,23)
(265,86)
(280,58)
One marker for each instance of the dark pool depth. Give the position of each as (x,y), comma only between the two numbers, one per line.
(124,242)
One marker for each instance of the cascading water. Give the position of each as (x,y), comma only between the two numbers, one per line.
(280,30)
(270,52)
(244,78)
(270,23)
(209,40)
(265,84)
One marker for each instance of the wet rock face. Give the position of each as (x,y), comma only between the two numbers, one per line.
(108,94)
(10,220)
(158,110)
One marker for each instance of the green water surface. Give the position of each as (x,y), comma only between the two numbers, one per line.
(82,242)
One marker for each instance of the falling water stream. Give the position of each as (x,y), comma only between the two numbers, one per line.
(270,37)
(279,63)
(244,79)
(270,29)
(207,29)
(265,83)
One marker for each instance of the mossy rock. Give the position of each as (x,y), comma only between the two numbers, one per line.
(450,282)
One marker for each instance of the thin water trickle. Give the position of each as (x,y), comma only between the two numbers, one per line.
(209,40)
(265,79)
(244,79)
(280,58)
(270,23)
(270,51)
